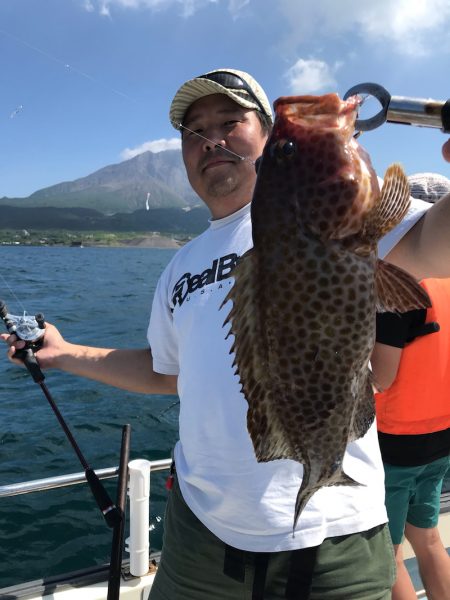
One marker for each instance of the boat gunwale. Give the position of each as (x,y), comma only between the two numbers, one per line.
(76,579)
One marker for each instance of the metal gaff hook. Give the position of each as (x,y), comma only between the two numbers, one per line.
(422,112)
(378,92)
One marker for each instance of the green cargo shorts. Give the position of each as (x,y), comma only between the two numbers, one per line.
(196,565)
(413,495)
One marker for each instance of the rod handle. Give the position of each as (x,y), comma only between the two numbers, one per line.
(111,513)
(27,356)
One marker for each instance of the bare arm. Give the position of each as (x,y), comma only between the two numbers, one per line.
(130,370)
(385,361)
(425,250)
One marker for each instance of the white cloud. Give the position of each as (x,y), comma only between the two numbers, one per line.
(188,7)
(410,26)
(155,146)
(104,9)
(88,6)
(235,7)
(310,76)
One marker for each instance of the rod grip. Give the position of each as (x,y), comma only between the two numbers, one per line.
(112,514)
(26,355)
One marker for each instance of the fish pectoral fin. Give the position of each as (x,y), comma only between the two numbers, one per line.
(392,205)
(397,291)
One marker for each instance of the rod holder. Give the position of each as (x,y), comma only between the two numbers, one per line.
(138,544)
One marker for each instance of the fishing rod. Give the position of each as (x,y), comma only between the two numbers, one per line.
(31,330)
(115,563)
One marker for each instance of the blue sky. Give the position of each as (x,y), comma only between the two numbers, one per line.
(87,83)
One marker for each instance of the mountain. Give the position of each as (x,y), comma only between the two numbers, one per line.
(122,187)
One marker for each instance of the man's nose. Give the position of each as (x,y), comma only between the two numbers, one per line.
(212,141)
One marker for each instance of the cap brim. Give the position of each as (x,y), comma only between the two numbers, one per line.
(195,89)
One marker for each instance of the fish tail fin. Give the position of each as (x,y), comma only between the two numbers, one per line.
(308,488)
(344,479)
(304,494)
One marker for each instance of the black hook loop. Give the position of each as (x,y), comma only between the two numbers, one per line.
(381,94)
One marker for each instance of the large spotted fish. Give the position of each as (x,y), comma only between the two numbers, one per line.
(305,297)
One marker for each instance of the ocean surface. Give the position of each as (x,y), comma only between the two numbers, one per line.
(99,297)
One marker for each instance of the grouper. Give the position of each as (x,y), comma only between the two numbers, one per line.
(304,298)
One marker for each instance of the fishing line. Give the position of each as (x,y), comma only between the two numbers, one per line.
(214,143)
(11,291)
(67,66)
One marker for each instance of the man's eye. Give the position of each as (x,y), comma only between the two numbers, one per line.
(193,132)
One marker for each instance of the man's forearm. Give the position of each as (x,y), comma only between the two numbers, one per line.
(130,370)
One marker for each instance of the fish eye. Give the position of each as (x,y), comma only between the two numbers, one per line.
(289,148)
(283,148)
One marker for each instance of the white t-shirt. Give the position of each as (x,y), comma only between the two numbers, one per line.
(248,505)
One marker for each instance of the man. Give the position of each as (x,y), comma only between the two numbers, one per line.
(228,527)
(411,364)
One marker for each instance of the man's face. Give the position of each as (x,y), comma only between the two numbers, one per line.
(222,180)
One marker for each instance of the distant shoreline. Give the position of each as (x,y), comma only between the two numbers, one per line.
(107,240)
(148,241)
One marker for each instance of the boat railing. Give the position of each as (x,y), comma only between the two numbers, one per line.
(51,483)
(138,543)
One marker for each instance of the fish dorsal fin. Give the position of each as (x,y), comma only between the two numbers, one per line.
(392,205)
(397,290)
(251,350)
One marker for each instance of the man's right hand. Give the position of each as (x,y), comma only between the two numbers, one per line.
(52,347)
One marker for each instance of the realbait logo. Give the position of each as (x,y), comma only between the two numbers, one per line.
(188,283)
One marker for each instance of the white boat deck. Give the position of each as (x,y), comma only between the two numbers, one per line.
(85,587)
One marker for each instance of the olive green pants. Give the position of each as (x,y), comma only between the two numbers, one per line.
(196,565)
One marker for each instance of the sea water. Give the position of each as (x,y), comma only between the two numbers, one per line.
(98,297)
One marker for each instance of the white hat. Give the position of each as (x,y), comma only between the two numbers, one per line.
(238,85)
(428,186)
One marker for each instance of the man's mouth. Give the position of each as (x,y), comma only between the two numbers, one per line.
(216,162)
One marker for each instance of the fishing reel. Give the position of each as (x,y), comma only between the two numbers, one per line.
(30,330)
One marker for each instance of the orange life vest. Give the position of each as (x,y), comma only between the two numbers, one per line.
(419,399)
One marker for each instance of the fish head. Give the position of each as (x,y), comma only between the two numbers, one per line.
(313,172)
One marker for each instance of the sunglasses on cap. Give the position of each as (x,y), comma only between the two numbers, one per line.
(233,82)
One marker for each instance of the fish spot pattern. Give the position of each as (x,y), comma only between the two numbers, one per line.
(303,315)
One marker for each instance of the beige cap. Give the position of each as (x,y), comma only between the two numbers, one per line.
(238,85)
(428,186)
